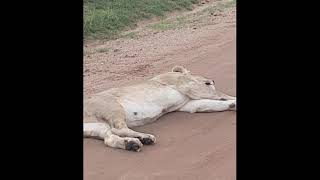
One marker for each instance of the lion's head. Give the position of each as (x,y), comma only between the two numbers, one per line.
(194,86)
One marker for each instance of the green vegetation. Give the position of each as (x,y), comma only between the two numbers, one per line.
(170,24)
(105,19)
(220,6)
(181,21)
(103,50)
(130,35)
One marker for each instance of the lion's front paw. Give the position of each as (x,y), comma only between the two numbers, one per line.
(147,140)
(133,144)
(233,106)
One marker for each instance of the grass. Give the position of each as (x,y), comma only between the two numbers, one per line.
(220,7)
(167,24)
(105,19)
(103,50)
(182,20)
(130,35)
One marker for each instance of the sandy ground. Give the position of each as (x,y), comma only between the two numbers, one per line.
(189,146)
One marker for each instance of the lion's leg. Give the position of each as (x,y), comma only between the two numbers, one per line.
(96,130)
(208,105)
(146,139)
(102,131)
(224,96)
(127,143)
(117,120)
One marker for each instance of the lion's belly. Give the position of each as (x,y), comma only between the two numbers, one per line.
(140,114)
(142,108)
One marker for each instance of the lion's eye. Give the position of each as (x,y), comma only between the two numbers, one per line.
(208,83)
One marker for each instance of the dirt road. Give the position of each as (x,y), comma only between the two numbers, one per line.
(189,146)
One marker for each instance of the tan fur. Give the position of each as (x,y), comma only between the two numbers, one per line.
(109,114)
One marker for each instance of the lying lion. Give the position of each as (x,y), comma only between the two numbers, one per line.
(110,114)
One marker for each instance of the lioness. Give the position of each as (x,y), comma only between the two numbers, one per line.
(109,115)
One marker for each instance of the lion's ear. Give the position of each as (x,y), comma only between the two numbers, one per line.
(180,69)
